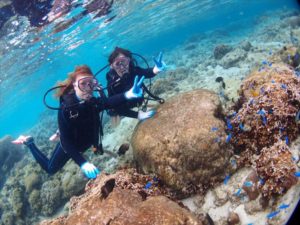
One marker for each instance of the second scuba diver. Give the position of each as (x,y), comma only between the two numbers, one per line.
(79,121)
(120,78)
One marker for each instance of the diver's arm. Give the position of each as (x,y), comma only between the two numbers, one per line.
(111,102)
(148,73)
(66,139)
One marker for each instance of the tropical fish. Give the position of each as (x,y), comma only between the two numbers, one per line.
(228,138)
(297,116)
(283,86)
(238,192)
(297,174)
(273,214)
(229,126)
(214,129)
(287,140)
(226,179)
(218,139)
(148,185)
(283,206)
(248,183)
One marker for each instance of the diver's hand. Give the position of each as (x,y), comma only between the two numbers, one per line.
(136,90)
(89,170)
(145,115)
(159,64)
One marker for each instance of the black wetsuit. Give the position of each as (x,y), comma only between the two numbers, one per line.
(117,85)
(79,125)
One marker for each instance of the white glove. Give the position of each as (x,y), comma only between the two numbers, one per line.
(145,115)
(89,170)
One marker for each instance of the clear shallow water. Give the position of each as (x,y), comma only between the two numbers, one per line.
(32,60)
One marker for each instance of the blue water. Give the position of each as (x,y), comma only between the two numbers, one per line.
(29,68)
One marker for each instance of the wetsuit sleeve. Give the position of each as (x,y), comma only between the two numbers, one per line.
(67,139)
(111,102)
(148,73)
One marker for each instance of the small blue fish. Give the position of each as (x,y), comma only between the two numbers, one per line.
(296,57)
(248,183)
(241,126)
(272,214)
(273,81)
(226,179)
(287,140)
(155,179)
(250,223)
(238,192)
(228,138)
(214,129)
(262,90)
(264,62)
(233,162)
(261,181)
(148,185)
(229,126)
(283,86)
(297,116)
(297,174)
(270,64)
(261,112)
(217,140)
(251,101)
(284,206)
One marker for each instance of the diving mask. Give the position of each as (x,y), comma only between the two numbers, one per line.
(121,65)
(88,84)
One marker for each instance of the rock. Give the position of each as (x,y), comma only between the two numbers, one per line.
(233,218)
(232,58)
(293,21)
(123,149)
(253,207)
(221,50)
(246,45)
(221,196)
(189,150)
(122,206)
(250,185)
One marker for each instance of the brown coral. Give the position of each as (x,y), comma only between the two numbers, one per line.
(275,165)
(269,103)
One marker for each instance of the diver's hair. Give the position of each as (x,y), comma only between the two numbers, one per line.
(67,84)
(118,51)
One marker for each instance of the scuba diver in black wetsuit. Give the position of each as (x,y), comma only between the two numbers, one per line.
(121,76)
(79,121)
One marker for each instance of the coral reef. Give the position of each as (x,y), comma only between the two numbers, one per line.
(9,155)
(276,167)
(266,123)
(124,198)
(191,157)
